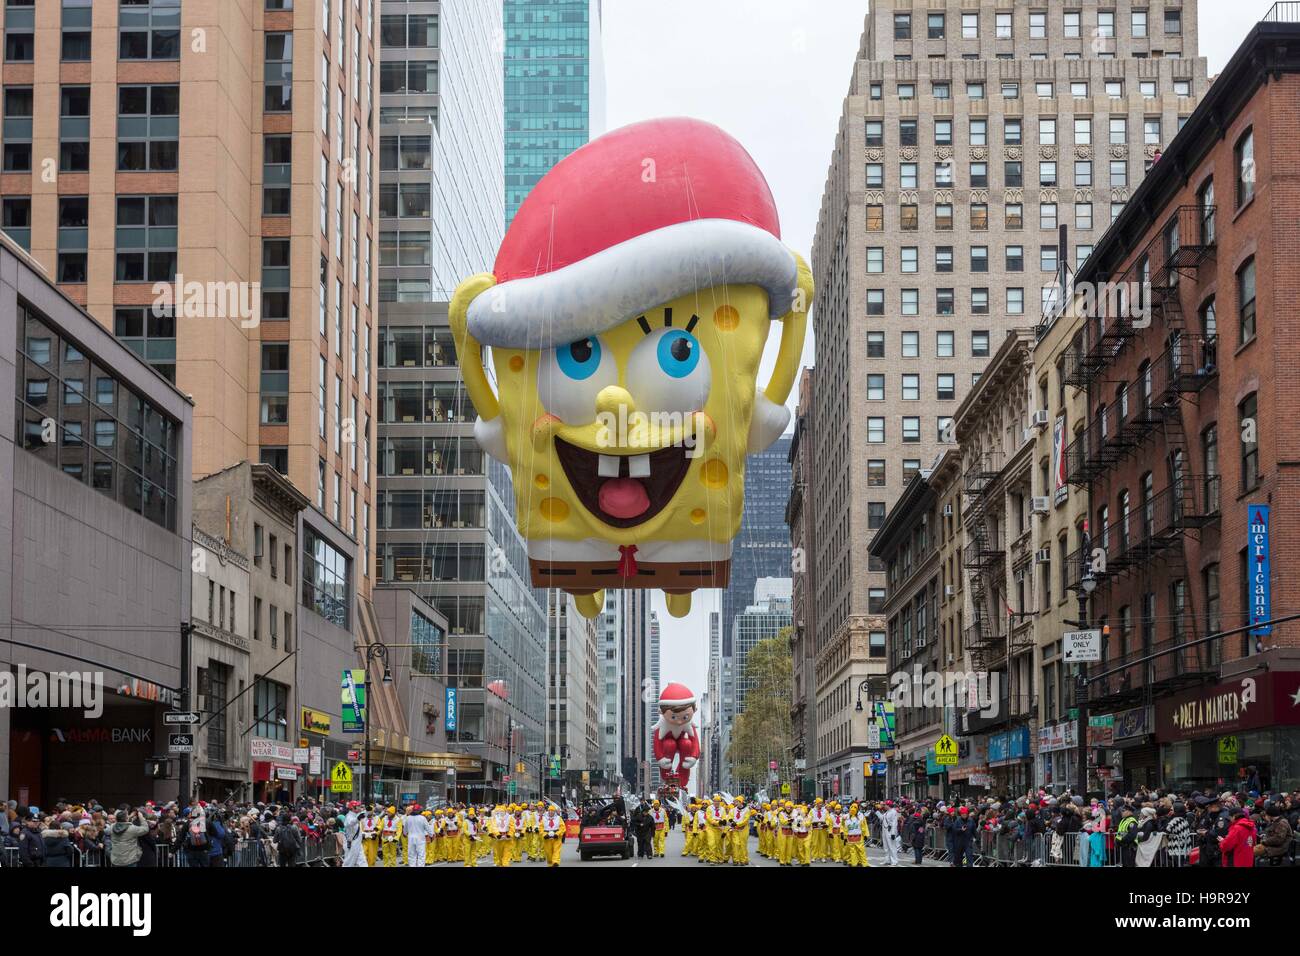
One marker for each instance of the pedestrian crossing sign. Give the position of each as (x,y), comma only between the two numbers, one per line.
(945,751)
(341,778)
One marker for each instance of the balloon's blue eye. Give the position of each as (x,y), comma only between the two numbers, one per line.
(678,353)
(579,360)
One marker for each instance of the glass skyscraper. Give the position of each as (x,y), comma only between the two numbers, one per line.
(554,87)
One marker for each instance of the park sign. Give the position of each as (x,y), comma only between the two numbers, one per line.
(1081,647)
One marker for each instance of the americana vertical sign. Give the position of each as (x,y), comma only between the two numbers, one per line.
(1260,563)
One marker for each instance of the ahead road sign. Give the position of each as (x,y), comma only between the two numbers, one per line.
(341,778)
(945,751)
(178,717)
(180,743)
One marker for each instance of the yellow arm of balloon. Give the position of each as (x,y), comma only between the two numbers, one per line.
(794,324)
(468,351)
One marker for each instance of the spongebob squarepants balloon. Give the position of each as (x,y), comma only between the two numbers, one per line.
(626,315)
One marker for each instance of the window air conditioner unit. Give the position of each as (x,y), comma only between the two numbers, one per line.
(1043,555)
(1040,505)
(1040,418)
(947,511)
(1027,434)
(949,590)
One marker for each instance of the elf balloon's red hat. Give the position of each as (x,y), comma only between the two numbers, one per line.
(676,695)
(632,220)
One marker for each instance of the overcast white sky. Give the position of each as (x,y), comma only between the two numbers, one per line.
(773,73)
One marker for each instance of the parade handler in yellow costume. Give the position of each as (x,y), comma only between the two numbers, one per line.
(627,313)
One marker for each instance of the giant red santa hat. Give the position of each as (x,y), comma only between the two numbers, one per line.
(631,220)
(674,696)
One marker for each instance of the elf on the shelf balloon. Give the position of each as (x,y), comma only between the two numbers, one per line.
(675,738)
(626,314)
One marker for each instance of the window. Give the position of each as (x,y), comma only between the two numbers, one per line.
(1015,301)
(1047,259)
(1139,23)
(911,429)
(1119,172)
(911,468)
(149,29)
(934,29)
(979,258)
(278,73)
(1081,254)
(875,345)
(970,26)
(906,91)
(1210,468)
(943,430)
(941,91)
(910,302)
(1115,89)
(146,239)
(979,301)
(1083,172)
(74,129)
(1072,23)
(1173,21)
(946,387)
(1010,91)
(1118,130)
(875,431)
(943,217)
(1038,25)
(1047,215)
(876,387)
(875,302)
(275,383)
(877,91)
(74,220)
(1182,88)
(979,175)
(876,218)
(1248,427)
(1246,301)
(1151,130)
(1047,172)
(875,515)
(975,91)
(907,135)
(1015,259)
(909,217)
(1011,132)
(943,344)
(1079,89)
(148,128)
(942,132)
(109,437)
(875,175)
(1083,215)
(1047,131)
(151,334)
(979,132)
(875,133)
(907,175)
(17,130)
(911,387)
(908,258)
(876,473)
(1245,166)
(1014,213)
(902,26)
(911,344)
(1044,90)
(1106,23)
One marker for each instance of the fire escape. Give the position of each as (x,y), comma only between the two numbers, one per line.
(1149,527)
(982,558)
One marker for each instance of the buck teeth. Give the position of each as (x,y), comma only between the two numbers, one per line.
(638,466)
(608,466)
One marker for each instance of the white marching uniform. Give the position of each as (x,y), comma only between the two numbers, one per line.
(416,828)
(889,835)
(353,855)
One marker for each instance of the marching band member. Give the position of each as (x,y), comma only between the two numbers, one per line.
(717,821)
(740,815)
(551,835)
(785,835)
(818,824)
(469,838)
(390,829)
(660,817)
(416,830)
(800,826)
(855,827)
(501,828)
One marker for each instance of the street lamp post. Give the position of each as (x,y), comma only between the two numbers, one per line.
(377,651)
(1087,584)
(865,685)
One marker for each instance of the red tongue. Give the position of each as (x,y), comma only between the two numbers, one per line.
(623,497)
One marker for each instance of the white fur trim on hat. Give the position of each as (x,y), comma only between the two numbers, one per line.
(619,283)
(676,695)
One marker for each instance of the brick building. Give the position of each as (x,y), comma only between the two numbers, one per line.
(1192,427)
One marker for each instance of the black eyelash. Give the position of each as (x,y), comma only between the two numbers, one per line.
(690,326)
(645,326)
(668,318)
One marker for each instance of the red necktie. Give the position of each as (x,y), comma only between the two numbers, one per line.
(627,561)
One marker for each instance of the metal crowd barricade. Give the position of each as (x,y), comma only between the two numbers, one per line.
(936,844)
(9,856)
(248,853)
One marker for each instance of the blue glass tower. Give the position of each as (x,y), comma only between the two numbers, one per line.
(554,87)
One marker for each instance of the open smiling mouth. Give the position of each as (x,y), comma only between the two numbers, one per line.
(623,490)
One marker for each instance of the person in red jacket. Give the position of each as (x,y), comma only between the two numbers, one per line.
(1239,845)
